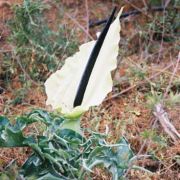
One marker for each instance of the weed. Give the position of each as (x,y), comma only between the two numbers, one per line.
(62,153)
(37,49)
(174,99)
(153,98)
(137,73)
(160,140)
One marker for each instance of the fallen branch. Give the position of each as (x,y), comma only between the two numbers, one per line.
(162,116)
(133,12)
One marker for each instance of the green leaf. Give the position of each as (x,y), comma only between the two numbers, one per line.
(12,135)
(115,159)
(3,121)
(63,153)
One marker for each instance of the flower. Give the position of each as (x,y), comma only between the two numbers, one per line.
(62,86)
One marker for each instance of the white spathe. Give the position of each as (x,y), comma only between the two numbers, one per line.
(61,87)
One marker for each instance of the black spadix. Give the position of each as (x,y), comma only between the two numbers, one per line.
(91,62)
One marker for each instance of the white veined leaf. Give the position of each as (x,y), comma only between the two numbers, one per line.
(61,87)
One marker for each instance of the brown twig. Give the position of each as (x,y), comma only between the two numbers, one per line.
(79,25)
(163,8)
(135,7)
(24,71)
(163,31)
(87,19)
(138,84)
(162,116)
(167,3)
(145,4)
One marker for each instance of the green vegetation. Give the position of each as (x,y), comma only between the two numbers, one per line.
(62,153)
(37,50)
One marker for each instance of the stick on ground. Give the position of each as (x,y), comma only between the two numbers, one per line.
(168,127)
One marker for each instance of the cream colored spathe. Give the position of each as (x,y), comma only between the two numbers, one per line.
(61,87)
